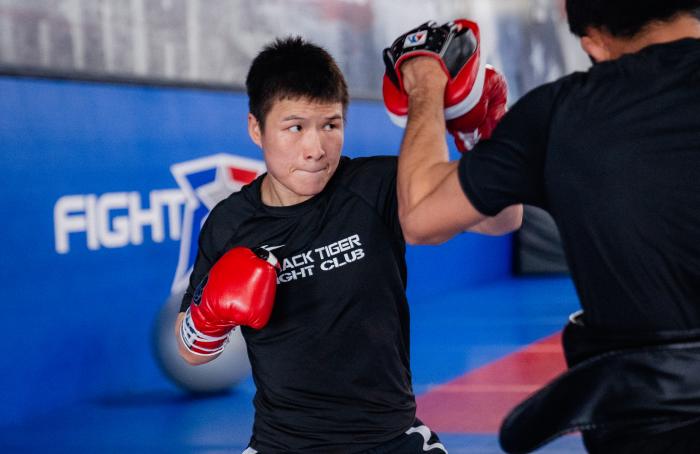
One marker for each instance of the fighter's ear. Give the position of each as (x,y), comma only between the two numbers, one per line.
(255,130)
(596,44)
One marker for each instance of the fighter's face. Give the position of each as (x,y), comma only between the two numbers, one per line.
(301,142)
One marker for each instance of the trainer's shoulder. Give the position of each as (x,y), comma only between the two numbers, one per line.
(550,97)
(562,87)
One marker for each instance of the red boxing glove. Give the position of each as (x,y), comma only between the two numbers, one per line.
(239,290)
(477,121)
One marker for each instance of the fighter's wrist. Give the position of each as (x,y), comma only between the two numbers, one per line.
(199,343)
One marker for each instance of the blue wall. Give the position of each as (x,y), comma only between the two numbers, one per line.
(77,320)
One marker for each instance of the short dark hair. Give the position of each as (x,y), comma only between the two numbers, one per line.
(624,18)
(291,68)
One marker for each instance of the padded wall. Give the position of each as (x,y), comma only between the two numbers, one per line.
(96,227)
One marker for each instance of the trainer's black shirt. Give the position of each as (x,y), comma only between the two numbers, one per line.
(331,368)
(614,155)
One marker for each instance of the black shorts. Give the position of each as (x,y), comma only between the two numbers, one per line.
(419,439)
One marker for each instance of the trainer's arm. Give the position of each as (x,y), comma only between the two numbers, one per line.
(506,221)
(432,206)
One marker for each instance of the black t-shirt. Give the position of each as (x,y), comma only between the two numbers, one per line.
(331,368)
(614,155)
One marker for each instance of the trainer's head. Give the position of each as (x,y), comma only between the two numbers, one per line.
(297,100)
(599,22)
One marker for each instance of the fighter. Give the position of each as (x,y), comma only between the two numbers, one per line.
(329,347)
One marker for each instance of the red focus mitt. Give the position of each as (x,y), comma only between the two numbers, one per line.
(475,94)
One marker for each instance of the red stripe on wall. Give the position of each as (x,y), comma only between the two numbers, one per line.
(244,176)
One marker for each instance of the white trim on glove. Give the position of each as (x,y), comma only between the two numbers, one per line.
(189,335)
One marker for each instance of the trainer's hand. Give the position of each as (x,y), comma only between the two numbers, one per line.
(423,73)
(239,290)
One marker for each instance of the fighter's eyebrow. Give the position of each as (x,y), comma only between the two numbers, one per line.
(293,117)
(297,117)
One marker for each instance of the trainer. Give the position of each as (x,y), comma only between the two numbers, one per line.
(613,154)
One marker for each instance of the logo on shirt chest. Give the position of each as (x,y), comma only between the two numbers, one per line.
(322,259)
